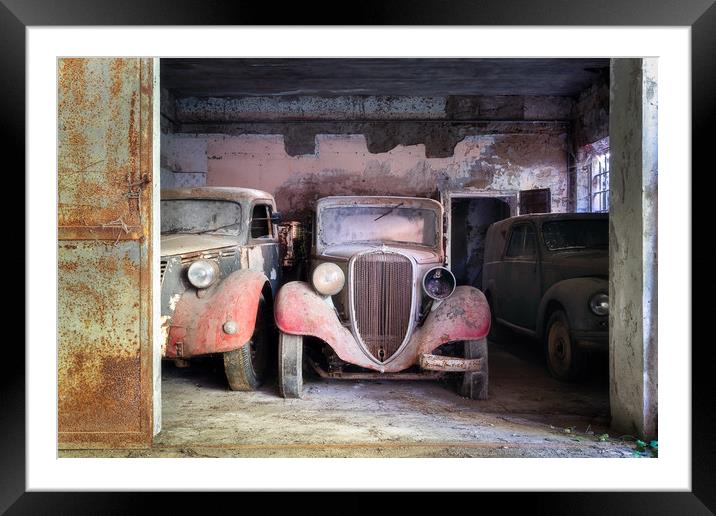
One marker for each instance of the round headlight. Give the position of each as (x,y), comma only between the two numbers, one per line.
(439,283)
(599,304)
(202,273)
(328,279)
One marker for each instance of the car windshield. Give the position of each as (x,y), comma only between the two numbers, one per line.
(576,234)
(200,216)
(389,223)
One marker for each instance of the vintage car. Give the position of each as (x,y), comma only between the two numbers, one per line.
(219,272)
(381,298)
(546,276)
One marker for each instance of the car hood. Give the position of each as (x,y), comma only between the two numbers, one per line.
(419,254)
(182,243)
(593,262)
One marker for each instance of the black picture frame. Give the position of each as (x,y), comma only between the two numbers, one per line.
(700,15)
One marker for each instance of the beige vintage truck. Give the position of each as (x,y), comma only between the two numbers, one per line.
(220,270)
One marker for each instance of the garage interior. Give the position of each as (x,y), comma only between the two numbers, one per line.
(489,138)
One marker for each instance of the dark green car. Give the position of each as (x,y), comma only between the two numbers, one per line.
(546,275)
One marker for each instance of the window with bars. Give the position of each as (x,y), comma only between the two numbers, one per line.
(599,185)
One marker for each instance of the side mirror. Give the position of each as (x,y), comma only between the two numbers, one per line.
(276,217)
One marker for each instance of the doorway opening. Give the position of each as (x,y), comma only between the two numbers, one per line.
(469,219)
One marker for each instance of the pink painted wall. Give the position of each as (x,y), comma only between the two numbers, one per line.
(342,165)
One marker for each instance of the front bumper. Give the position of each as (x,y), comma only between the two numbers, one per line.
(441,363)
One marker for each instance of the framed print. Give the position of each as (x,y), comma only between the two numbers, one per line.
(264,234)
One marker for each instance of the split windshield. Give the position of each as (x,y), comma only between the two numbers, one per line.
(197,216)
(385,223)
(576,234)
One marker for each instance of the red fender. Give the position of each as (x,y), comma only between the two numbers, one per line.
(465,315)
(197,324)
(299,310)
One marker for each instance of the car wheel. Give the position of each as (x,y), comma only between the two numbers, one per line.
(474,384)
(246,366)
(564,360)
(290,365)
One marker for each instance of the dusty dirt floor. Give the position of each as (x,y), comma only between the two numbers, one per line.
(528,415)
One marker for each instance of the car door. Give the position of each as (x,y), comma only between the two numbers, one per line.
(520,282)
(263,243)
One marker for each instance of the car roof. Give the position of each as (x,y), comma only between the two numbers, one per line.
(378,200)
(229,193)
(546,217)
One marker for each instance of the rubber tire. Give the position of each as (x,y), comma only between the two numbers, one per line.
(475,384)
(570,367)
(245,370)
(290,365)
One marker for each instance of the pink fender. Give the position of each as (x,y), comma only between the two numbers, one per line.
(465,315)
(197,324)
(299,310)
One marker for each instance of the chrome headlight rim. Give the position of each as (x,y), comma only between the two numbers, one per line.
(203,273)
(599,304)
(450,275)
(328,279)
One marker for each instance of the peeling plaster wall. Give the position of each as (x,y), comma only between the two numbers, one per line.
(342,165)
(366,108)
(170,176)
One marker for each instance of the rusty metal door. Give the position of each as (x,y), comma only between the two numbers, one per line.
(105,252)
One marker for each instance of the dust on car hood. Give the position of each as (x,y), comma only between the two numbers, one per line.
(346,251)
(182,243)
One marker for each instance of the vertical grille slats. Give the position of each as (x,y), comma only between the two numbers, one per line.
(382,290)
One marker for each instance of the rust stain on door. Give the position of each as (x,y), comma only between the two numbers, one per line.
(104,256)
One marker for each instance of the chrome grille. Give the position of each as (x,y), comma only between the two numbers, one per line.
(382,301)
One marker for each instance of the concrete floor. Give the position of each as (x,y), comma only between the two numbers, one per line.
(528,415)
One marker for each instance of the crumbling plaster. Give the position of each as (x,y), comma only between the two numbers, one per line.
(343,164)
(303,147)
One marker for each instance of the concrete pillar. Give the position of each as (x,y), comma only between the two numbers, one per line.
(632,247)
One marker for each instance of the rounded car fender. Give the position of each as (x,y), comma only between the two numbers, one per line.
(573,294)
(465,315)
(197,326)
(299,310)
